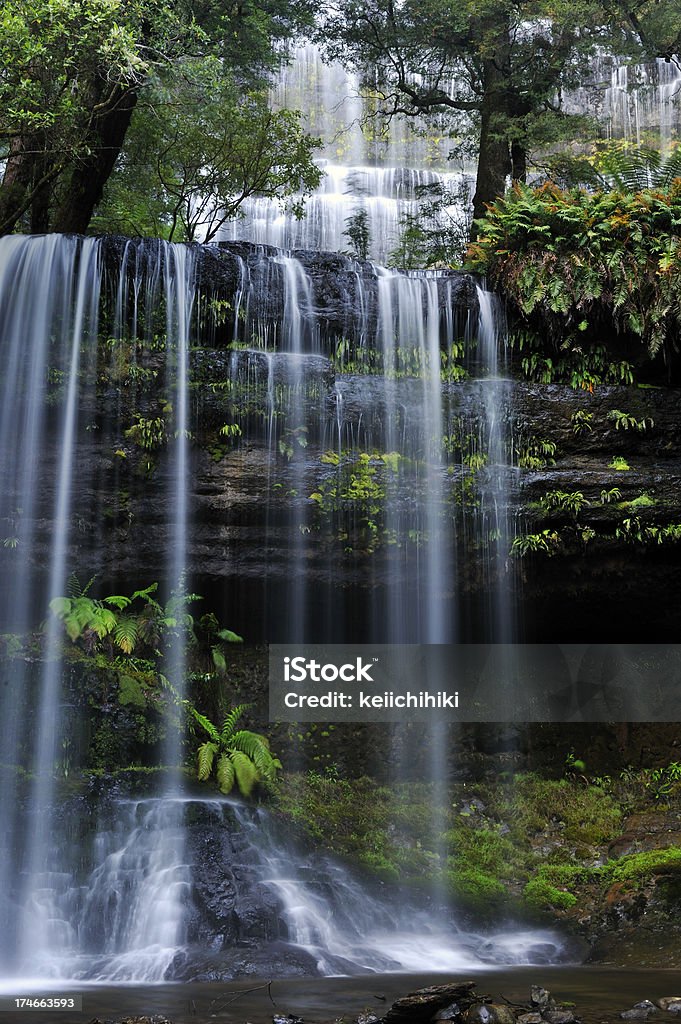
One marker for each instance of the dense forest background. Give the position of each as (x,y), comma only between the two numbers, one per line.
(152,118)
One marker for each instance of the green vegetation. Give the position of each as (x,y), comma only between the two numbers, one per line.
(240,757)
(150,102)
(354,496)
(524,841)
(626,421)
(570,260)
(561,501)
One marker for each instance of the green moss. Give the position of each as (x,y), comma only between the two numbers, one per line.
(539,894)
(639,867)
(476,887)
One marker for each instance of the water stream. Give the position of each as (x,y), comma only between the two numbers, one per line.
(377,464)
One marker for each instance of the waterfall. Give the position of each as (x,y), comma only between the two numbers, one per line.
(382,174)
(125,906)
(52,292)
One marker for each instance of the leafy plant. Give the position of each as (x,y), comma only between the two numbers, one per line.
(562,501)
(614,494)
(581,422)
(626,421)
(536,453)
(149,434)
(239,757)
(572,260)
(545,542)
(619,463)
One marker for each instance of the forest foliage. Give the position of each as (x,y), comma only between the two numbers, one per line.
(575,263)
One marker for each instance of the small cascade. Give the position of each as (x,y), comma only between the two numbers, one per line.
(383,174)
(127,906)
(494,529)
(127,917)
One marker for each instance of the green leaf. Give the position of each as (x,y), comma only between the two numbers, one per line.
(125,635)
(226,774)
(219,659)
(60,606)
(230,637)
(230,721)
(245,771)
(206,755)
(204,722)
(118,601)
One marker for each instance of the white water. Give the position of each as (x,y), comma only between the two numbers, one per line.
(128,918)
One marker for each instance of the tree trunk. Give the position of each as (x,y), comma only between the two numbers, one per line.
(85,185)
(15,183)
(494,160)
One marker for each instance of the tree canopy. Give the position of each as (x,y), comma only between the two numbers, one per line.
(500,69)
(73,73)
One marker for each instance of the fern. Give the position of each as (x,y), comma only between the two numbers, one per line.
(226,774)
(231,720)
(245,771)
(203,722)
(125,634)
(206,756)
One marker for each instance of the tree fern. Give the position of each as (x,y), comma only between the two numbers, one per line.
(636,168)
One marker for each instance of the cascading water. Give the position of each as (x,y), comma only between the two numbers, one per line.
(367,444)
(384,178)
(51,292)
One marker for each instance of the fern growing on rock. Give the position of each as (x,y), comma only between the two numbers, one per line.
(238,757)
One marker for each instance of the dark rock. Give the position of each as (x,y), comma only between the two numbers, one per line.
(540,996)
(423,1004)
(452,1012)
(279,1018)
(490,1013)
(558,1016)
(530,1018)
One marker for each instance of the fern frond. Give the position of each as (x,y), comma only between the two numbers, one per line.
(230,637)
(118,601)
(204,722)
(125,634)
(256,748)
(219,659)
(670,169)
(205,757)
(245,771)
(231,720)
(60,606)
(226,774)
(144,594)
(103,622)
